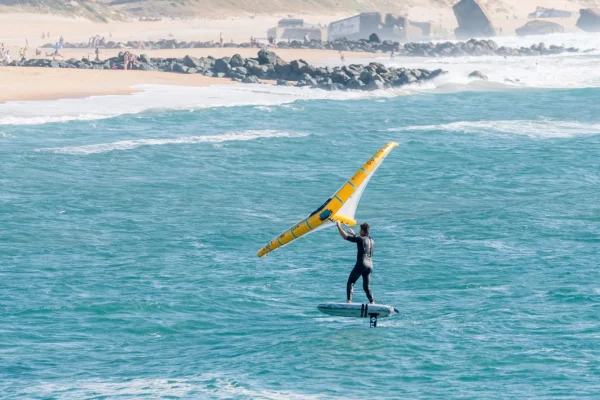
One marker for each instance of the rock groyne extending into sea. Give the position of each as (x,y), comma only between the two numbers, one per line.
(266,66)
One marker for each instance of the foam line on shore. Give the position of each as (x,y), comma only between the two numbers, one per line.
(153,97)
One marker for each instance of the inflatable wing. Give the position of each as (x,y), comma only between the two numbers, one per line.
(340,207)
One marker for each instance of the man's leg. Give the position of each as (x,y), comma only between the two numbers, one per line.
(366,275)
(354,275)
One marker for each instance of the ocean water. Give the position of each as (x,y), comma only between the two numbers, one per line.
(129,227)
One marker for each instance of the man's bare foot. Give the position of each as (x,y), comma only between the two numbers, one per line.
(373,302)
(348,301)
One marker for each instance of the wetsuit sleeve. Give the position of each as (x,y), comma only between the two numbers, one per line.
(352,238)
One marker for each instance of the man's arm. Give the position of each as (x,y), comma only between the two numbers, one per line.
(343,232)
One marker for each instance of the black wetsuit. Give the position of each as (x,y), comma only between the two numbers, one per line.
(363,266)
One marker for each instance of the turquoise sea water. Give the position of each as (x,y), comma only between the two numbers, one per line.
(128,267)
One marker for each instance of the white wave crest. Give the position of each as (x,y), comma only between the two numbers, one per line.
(39,120)
(206,386)
(532,128)
(132,144)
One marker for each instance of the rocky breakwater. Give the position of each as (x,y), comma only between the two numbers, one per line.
(471,48)
(267,66)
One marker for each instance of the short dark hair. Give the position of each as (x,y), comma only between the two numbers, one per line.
(365,228)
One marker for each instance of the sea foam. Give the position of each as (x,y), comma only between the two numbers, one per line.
(544,128)
(133,144)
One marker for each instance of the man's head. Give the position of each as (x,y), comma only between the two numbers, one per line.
(365,229)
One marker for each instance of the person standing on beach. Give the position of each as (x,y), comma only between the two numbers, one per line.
(221,39)
(392,54)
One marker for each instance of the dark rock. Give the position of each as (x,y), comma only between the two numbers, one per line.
(298,66)
(260,71)
(268,57)
(145,59)
(240,70)
(222,65)
(355,84)
(284,71)
(143,66)
(340,77)
(478,75)
(54,64)
(374,38)
(193,62)
(251,79)
(375,85)
(177,67)
(237,61)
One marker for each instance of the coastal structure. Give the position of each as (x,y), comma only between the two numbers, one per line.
(542,12)
(388,27)
(296,29)
(473,20)
(589,20)
(538,27)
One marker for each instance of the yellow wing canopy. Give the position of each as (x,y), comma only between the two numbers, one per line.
(340,207)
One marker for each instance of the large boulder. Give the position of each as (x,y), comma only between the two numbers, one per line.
(355,84)
(589,20)
(473,20)
(237,61)
(251,79)
(192,62)
(222,65)
(478,75)
(145,59)
(268,57)
(298,66)
(538,27)
(374,38)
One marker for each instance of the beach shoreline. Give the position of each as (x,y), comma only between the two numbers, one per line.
(32,83)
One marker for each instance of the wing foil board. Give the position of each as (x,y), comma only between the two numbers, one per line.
(356,310)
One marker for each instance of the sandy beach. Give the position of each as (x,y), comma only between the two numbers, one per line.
(27,83)
(20,29)
(49,83)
